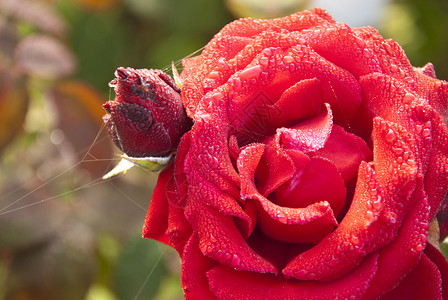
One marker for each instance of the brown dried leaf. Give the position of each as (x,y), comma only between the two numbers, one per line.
(13,106)
(78,109)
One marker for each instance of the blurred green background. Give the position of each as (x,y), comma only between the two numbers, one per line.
(65,233)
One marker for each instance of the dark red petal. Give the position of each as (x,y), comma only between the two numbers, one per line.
(345,151)
(423,282)
(210,174)
(295,225)
(442,264)
(436,178)
(247,227)
(403,254)
(220,239)
(194,267)
(359,233)
(179,172)
(226,283)
(303,100)
(275,167)
(306,225)
(156,221)
(318,181)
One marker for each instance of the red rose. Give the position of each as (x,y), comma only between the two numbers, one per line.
(317,160)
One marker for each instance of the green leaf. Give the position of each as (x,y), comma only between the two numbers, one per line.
(140,270)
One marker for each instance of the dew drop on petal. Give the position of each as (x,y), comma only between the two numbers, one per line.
(419,248)
(355,240)
(235,260)
(267,52)
(301,273)
(250,73)
(393,68)
(361,43)
(344,31)
(408,98)
(288,59)
(391,217)
(264,61)
(366,52)
(390,136)
(377,204)
(370,216)
(236,84)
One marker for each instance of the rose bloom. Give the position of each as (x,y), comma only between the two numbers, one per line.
(316,164)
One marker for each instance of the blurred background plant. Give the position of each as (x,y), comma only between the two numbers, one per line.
(65,233)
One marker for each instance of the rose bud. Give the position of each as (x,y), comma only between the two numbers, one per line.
(147,117)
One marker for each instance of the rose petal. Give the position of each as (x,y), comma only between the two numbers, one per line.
(220,239)
(303,100)
(308,136)
(345,48)
(318,181)
(234,37)
(179,172)
(208,154)
(156,221)
(360,232)
(442,264)
(403,254)
(423,282)
(306,225)
(247,227)
(295,225)
(345,151)
(194,267)
(226,283)
(436,178)
(274,168)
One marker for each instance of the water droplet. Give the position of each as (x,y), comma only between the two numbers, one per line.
(397,151)
(419,248)
(377,204)
(426,132)
(301,273)
(288,59)
(281,217)
(366,52)
(408,98)
(393,68)
(390,136)
(388,48)
(267,52)
(236,84)
(212,238)
(227,256)
(219,254)
(361,43)
(344,30)
(418,128)
(235,260)
(214,75)
(222,64)
(251,72)
(370,216)
(355,240)
(391,217)
(264,61)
